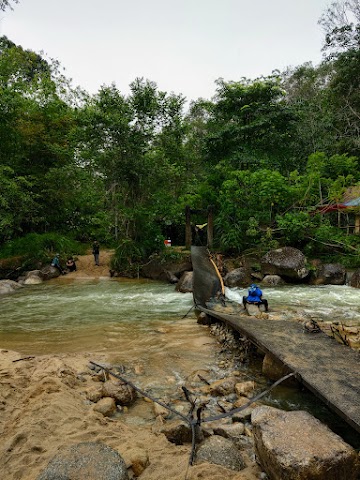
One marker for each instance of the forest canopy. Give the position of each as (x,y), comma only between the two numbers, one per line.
(267,154)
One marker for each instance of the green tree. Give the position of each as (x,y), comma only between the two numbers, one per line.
(36,127)
(344,101)
(135,144)
(248,205)
(306,89)
(16,202)
(250,125)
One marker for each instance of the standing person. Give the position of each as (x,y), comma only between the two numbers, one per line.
(255,296)
(96,251)
(56,263)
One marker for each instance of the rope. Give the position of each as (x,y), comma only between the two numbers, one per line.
(218,274)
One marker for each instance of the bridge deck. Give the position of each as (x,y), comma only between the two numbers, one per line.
(329,370)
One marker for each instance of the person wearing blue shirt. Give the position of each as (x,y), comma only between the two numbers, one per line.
(255,297)
(56,263)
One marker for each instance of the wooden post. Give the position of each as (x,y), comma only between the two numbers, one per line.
(357,224)
(188,228)
(210,227)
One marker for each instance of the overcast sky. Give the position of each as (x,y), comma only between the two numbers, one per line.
(183,45)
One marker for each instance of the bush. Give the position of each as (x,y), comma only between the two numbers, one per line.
(127,259)
(40,248)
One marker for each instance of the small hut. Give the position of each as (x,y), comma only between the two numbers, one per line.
(348,210)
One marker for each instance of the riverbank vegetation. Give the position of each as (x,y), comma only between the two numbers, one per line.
(274,156)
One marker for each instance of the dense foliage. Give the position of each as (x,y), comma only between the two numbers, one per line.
(265,153)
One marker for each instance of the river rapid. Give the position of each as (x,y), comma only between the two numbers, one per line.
(152,328)
(106,314)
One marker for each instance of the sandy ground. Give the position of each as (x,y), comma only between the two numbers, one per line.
(86,267)
(43,407)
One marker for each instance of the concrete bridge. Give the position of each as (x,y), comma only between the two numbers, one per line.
(329,370)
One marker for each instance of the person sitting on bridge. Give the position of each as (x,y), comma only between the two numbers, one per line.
(255,297)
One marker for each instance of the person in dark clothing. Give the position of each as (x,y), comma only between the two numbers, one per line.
(56,263)
(255,297)
(71,265)
(96,252)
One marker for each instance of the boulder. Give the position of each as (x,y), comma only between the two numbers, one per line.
(86,461)
(106,406)
(329,274)
(233,431)
(158,269)
(177,432)
(220,451)
(272,280)
(253,309)
(355,279)
(138,459)
(8,286)
(185,284)
(297,446)
(49,272)
(122,393)
(94,394)
(287,262)
(239,277)
(245,388)
(34,277)
(223,387)
(204,319)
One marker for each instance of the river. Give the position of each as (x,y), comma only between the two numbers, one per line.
(149,324)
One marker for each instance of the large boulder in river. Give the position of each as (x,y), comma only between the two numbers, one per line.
(167,270)
(287,262)
(297,446)
(272,280)
(329,274)
(49,272)
(239,277)
(8,286)
(355,279)
(34,277)
(185,284)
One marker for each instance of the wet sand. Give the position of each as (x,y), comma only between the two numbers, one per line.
(43,407)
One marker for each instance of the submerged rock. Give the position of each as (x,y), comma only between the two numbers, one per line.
(8,286)
(329,274)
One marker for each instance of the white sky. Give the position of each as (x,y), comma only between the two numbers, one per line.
(183,45)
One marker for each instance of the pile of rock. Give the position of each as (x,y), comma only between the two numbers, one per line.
(279,444)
